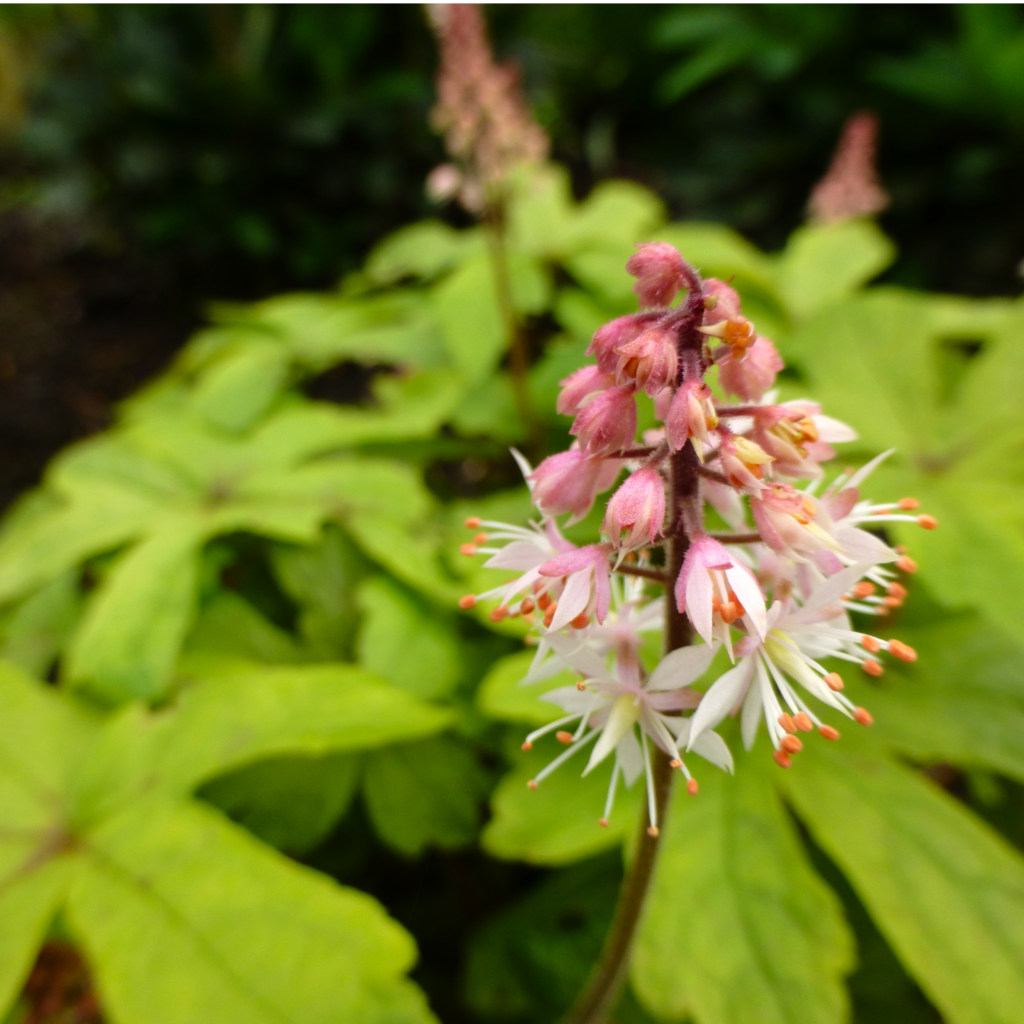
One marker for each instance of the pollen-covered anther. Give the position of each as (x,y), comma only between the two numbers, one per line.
(603,822)
(692,787)
(467,601)
(903,651)
(906,564)
(499,614)
(527,745)
(550,613)
(563,737)
(532,784)
(467,549)
(872,667)
(480,538)
(653,831)
(530,640)
(803,722)
(544,601)
(581,621)
(526,605)
(892,602)
(863,589)
(729,612)
(928,522)
(828,732)
(581,685)
(895,590)
(833,680)
(473,523)
(791,745)
(909,504)
(869,643)
(782,759)
(675,763)
(787,723)
(863,716)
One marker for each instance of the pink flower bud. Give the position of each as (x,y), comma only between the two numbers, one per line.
(569,482)
(638,506)
(751,374)
(660,273)
(720,301)
(607,423)
(579,386)
(691,415)
(650,359)
(615,333)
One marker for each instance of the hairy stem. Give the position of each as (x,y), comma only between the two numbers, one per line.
(737,538)
(602,990)
(639,570)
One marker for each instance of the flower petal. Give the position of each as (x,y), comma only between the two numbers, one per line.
(721,697)
(681,667)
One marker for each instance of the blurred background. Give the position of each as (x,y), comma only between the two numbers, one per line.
(165,167)
(155,158)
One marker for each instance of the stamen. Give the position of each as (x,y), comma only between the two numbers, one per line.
(870,644)
(563,737)
(467,549)
(498,614)
(834,681)
(473,523)
(603,822)
(526,606)
(543,601)
(791,745)
(903,651)
(928,522)
(782,759)
(828,732)
(675,763)
(863,589)
(480,538)
(581,621)
(863,716)
(803,722)
(787,723)
(532,784)
(895,590)
(907,564)
(581,685)
(908,504)
(872,667)
(527,745)
(467,601)
(610,799)
(653,831)
(652,809)
(530,640)
(549,614)
(692,787)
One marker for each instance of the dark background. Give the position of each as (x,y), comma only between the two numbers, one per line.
(156,158)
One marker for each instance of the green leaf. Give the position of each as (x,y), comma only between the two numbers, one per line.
(424,250)
(826,262)
(239,389)
(502,696)
(738,925)
(401,641)
(37,629)
(290,802)
(134,625)
(557,823)
(229,624)
(466,305)
(617,213)
(424,794)
(182,915)
(541,213)
(947,893)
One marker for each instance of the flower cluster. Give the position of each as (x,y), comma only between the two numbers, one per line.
(775,594)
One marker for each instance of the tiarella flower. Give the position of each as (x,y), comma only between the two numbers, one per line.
(762,681)
(798,437)
(586,587)
(736,332)
(607,423)
(639,507)
(751,373)
(609,706)
(712,583)
(721,301)
(742,463)
(649,360)
(660,273)
(579,386)
(690,416)
(616,334)
(570,481)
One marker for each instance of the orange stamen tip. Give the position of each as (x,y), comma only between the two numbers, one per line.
(550,614)
(532,784)
(581,685)
(728,611)
(675,763)
(782,759)
(828,732)
(527,745)
(900,549)
(909,504)
(928,522)
(543,601)
(530,641)
(653,831)
(863,589)
(467,549)
(787,723)
(581,621)
(692,787)
(526,606)
(498,614)
(863,716)
(472,523)
(791,745)
(563,737)
(882,610)
(906,564)
(872,667)
(893,602)
(895,590)
(802,722)
(869,643)
(603,822)
(716,602)
(903,651)
(834,681)
(480,538)
(467,601)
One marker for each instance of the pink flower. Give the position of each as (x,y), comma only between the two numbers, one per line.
(660,273)
(720,301)
(615,334)
(749,373)
(638,506)
(797,437)
(607,423)
(579,386)
(712,581)
(649,359)
(742,462)
(691,415)
(786,521)
(569,482)
(587,584)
